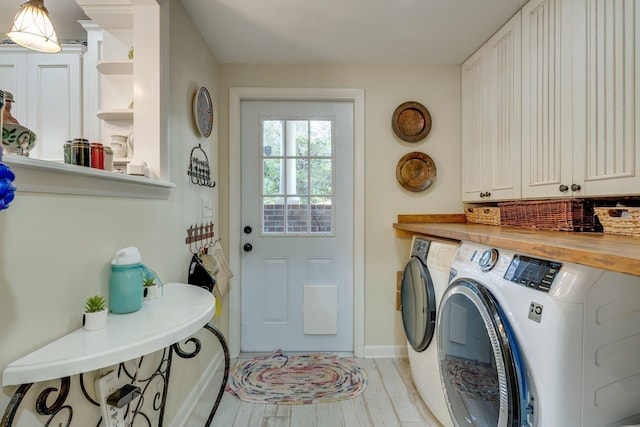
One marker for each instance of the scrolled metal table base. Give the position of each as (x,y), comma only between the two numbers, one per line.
(62,413)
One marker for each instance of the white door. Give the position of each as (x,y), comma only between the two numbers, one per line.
(297,220)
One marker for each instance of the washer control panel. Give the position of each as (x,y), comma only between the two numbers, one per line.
(420,248)
(532,272)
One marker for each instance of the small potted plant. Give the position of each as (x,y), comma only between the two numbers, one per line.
(151,288)
(95,314)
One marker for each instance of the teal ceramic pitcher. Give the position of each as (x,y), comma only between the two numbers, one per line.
(125,288)
(126,285)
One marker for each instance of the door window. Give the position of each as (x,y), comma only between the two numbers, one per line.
(297,179)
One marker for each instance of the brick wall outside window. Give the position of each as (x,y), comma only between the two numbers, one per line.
(297,216)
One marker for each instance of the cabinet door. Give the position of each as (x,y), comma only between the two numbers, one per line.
(546,99)
(503,141)
(54,102)
(474,117)
(491,117)
(607,96)
(13,79)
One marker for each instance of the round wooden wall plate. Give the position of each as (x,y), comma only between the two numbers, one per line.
(411,121)
(416,171)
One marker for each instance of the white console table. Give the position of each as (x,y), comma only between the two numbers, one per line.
(160,324)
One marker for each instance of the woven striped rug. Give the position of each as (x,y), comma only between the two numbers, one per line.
(297,379)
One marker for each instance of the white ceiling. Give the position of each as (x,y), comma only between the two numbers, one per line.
(327,31)
(348,31)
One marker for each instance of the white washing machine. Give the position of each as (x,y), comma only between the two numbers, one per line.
(424,280)
(524,341)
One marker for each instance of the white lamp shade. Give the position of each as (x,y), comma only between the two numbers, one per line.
(33,29)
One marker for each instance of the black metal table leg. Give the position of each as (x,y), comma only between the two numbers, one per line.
(225,377)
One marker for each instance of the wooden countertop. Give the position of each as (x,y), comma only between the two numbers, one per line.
(609,252)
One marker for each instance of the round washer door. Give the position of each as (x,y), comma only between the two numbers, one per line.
(418,301)
(480,366)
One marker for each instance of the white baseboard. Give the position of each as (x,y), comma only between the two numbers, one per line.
(192,400)
(385,351)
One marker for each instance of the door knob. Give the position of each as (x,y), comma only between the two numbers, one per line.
(248,247)
(247,229)
(563,188)
(575,187)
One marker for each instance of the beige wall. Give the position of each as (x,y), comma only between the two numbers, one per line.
(386,86)
(55,249)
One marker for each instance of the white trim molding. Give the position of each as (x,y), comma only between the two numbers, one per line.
(236,96)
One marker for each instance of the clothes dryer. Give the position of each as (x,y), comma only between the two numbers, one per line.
(424,280)
(525,341)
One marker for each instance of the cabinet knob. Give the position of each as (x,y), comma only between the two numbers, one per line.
(487,194)
(563,188)
(575,187)
(247,229)
(248,247)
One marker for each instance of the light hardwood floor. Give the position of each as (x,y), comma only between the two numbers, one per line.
(389,400)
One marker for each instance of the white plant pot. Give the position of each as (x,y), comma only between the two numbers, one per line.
(151,292)
(94,321)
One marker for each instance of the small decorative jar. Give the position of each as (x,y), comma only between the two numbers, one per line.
(97,155)
(67,152)
(108,158)
(80,152)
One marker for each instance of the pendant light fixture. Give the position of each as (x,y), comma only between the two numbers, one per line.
(33,29)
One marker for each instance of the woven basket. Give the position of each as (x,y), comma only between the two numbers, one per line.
(554,215)
(619,220)
(483,215)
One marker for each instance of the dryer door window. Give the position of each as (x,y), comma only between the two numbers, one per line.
(418,304)
(480,366)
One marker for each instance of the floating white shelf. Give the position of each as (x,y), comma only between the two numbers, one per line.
(182,311)
(124,114)
(41,176)
(115,67)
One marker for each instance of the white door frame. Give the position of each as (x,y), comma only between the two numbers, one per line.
(236,96)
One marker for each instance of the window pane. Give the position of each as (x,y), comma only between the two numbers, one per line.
(271,176)
(272,137)
(297,164)
(301,135)
(272,215)
(320,138)
(297,215)
(321,214)
(321,176)
(298,176)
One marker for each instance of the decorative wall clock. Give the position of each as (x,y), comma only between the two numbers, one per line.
(203,111)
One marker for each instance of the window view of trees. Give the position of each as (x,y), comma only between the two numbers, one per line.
(311,158)
(297,176)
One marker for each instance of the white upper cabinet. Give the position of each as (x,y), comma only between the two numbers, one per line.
(546,95)
(606,112)
(473,126)
(491,118)
(48,93)
(580,65)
